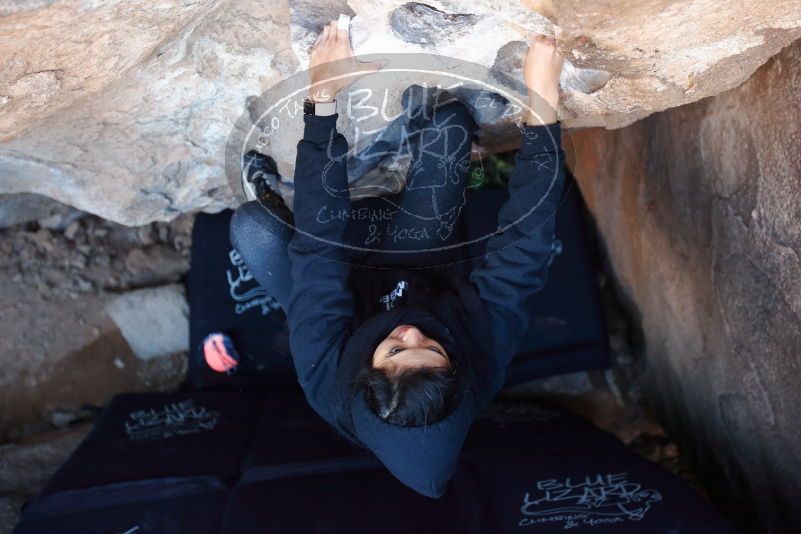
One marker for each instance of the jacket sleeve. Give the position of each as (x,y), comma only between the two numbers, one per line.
(517,257)
(320,304)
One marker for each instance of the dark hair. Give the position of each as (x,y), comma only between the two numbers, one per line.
(412,397)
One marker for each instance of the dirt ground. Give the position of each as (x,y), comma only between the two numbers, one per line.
(60,350)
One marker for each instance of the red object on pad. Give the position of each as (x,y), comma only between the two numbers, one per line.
(219,352)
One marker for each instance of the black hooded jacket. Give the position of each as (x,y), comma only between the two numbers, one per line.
(337,318)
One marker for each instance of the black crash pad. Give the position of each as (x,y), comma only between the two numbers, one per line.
(567,332)
(269,464)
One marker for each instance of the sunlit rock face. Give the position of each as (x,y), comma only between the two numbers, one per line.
(700,212)
(123,109)
(133,122)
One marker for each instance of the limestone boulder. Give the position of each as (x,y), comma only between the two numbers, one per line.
(700,212)
(26,207)
(132,123)
(123,109)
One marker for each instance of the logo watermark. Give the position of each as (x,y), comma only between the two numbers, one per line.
(399,179)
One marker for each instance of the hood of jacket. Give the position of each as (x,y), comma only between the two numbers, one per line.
(423,458)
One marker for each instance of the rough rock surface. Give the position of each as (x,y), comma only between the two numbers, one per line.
(700,210)
(154,321)
(67,337)
(122,109)
(26,207)
(141,98)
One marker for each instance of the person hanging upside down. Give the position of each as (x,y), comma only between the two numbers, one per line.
(400,351)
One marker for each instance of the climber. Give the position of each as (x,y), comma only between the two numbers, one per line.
(399,352)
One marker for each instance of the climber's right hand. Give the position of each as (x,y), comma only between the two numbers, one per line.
(331,57)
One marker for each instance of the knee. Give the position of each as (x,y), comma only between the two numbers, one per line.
(454,108)
(455,113)
(241,229)
(252,223)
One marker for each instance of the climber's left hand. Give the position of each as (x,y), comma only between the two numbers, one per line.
(331,57)
(542,68)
